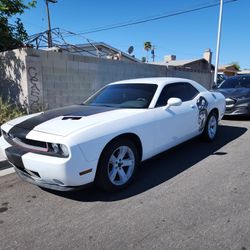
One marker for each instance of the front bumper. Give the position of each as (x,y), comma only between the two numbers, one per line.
(238,110)
(50,172)
(237,106)
(25,176)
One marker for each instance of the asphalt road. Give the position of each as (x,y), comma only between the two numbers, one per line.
(196,196)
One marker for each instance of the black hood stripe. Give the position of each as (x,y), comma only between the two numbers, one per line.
(22,129)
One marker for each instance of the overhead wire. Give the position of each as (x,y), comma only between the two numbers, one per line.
(63,33)
(150,19)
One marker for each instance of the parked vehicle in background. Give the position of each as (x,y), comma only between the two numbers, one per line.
(236,90)
(220,78)
(104,139)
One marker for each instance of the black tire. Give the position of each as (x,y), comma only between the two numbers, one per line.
(210,131)
(107,169)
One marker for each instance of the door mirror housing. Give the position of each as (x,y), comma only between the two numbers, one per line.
(173,101)
(214,87)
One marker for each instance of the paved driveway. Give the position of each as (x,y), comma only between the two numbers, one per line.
(196,196)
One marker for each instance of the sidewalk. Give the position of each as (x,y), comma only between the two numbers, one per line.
(3,162)
(1,157)
(5,167)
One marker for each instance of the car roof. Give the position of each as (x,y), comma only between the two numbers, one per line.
(160,81)
(239,76)
(153,80)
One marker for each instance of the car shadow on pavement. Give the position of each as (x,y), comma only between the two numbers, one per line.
(237,118)
(163,167)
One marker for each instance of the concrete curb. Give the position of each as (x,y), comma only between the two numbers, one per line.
(4,165)
(5,168)
(1,156)
(7,171)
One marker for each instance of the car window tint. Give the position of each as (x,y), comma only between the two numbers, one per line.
(182,90)
(236,82)
(124,96)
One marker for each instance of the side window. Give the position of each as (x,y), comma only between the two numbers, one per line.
(182,90)
(190,92)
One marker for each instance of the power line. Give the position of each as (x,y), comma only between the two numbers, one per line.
(148,17)
(121,25)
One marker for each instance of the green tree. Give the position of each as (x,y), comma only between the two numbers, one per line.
(236,65)
(147,47)
(143,59)
(12,34)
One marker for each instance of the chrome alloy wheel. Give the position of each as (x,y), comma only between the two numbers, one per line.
(212,127)
(121,165)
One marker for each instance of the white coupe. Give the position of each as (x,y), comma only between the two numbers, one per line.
(104,139)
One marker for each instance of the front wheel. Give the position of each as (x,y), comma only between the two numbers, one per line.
(210,130)
(117,165)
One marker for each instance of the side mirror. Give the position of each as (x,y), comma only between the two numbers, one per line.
(214,87)
(173,101)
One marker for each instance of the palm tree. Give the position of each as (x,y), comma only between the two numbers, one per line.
(147,47)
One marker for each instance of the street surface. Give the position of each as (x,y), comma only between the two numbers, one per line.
(196,196)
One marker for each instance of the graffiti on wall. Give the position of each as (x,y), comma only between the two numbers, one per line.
(34,86)
(34,83)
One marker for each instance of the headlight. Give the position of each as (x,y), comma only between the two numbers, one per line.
(55,147)
(58,149)
(64,150)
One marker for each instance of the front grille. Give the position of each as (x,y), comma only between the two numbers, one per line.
(33,143)
(25,143)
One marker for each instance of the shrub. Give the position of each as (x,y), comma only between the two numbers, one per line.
(9,111)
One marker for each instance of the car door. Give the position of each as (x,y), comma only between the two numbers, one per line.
(176,123)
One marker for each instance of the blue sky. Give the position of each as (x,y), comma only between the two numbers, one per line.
(186,36)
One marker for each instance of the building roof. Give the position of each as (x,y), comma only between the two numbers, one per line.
(96,49)
(176,62)
(182,63)
(244,72)
(228,68)
(225,66)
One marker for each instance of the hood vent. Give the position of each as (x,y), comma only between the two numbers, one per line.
(71,117)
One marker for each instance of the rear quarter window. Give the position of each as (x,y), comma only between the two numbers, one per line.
(183,90)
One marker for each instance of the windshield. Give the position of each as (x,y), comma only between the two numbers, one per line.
(123,96)
(236,82)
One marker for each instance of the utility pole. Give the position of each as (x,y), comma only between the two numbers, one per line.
(218,44)
(49,26)
(153,53)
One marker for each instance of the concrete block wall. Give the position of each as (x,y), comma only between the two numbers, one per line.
(70,79)
(204,78)
(51,79)
(13,77)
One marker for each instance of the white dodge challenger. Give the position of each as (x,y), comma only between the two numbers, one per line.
(104,139)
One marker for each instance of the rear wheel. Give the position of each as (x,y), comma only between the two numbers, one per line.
(210,130)
(117,165)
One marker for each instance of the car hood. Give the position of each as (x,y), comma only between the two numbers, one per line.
(67,120)
(235,92)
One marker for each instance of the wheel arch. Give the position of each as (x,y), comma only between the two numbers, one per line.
(130,136)
(216,111)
